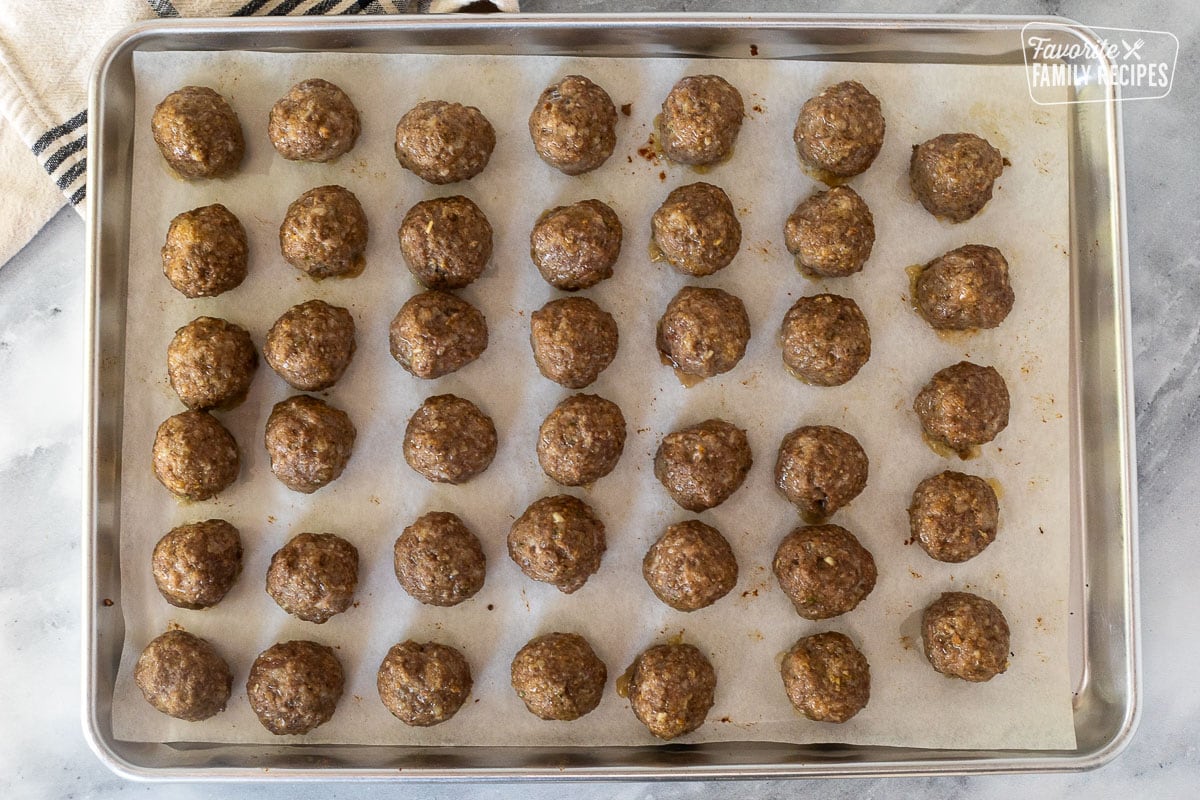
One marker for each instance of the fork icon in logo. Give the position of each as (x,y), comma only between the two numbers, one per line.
(1132,50)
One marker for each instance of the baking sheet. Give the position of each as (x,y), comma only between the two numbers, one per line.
(1025,572)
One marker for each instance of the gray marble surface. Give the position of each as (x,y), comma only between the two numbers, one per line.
(41,291)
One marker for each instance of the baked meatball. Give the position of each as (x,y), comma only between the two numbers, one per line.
(558,540)
(314,576)
(703,464)
(442,142)
(831,234)
(210,363)
(690,567)
(819,469)
(671,689)
(423,683)
(198,133)
(953,174)
(965,289)
(963,405)
(183,676)
(436,333)
(700,120)
(574,125)
(824,570)
(194,456)
(965,636)
(581,440)
(696,229)
(576,246)
(559,676)
(826,677)
(953,516)
(295,686)
(446,242)
(206,252)
(195,565)
(309,442)
(324,233)
(573,341)
(314,121)
(439,561)
(703,332)
(449,440)
(311,345)
(840,130)
(825,339)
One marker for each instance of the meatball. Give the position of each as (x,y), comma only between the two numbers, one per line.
(965,636)
(183,676)
(314,121)
(194,456)
(671,689)
(953,516)
(820,469)
(690,567)
(696,229)
(964,289)
(195,565)
(442,142)
(700,120)
(309,442)
(206,252)
(295,686)
(826,677)
(825,339)
(559,676)
(703,332)
(439,561)
(581,440)
(423,683)
(824,570)
(210,363)
(840,130)
(702,465)
(449,440)
(311,345)
(446,242)
(831,233)
(574,125)
(573,341)
(324,233)
(313,576)
(558,540)
(198,133)
(963,405)
(436,333)
(953,174)
(575,247)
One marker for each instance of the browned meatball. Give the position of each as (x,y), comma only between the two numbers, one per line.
(702,465)
(558,540)
(700,120)
(964,289)
(826,677)
(206,252)
(965,636)
(691,566)
(581,440)
(574,125)
(558,676)
(314,576)
(824,570)
(953,174)
(183,676)
(311,345)
(449,440)
(194,456)
(309,442)
(436,333)
(576,246)
(324,233)
(198,133)
(696,229)
(295,686)
(439,561)
(963,405)
(446,242)
(820,469)
(825,339)
(210,363)
(703,332)
(573,341)
(671,689)
(953,516)
(195,565)
(423,683)
(442,142)
(840,130)
(831,234)
(314,121)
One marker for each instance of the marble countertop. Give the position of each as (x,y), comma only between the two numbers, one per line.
(41,298)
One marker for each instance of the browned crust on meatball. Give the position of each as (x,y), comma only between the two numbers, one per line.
(309,442)
(206,252)
(704,332)
(423,683)
(436,333)
(820,469)
(840,130)
(574,125)
(953,516)
(824,570)
(581,440)
(965,289)
(965,636)
(700,121)
(953,174)
(295,686)
(671,689)
(195,565)
(446,242)
(826,677)
(575,247)
(703,464)
(314,121)
(442,142)
(194,456)
(198,133)
(314,576)
(573,341)
(449,440)
(831,233)
(696,229)
(311,345)
(691,566)
(210,363)
(438,560)
(558,540)
(183,676)
(324,233)
(558,676)
(825,339)
(963,405)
